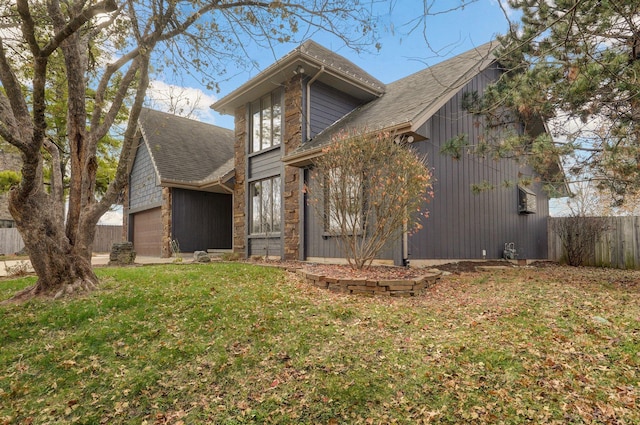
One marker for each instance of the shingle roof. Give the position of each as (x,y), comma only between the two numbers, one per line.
(337,63)
(410,101)
(185,150)
(331,68)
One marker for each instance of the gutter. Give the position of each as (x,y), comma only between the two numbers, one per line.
(198,186)
(301,158)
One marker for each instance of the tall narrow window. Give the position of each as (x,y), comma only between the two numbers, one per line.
(265,206)
(343,203)
(266,122)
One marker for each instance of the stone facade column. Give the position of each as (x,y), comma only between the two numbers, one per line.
(165,251)
(293,94)
(239,197)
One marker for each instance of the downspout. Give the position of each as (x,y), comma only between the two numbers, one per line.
(405,245)
(308,95)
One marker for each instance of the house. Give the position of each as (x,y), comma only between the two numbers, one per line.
(180,186)
(289,112)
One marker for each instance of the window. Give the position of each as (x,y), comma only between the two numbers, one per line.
(265,206)
(5,224)
(343,203)
(526,201)
(266,122)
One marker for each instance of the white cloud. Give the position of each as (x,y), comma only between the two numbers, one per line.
(504,5)
(112,217)
(184,101)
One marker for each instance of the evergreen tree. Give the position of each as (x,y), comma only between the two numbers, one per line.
(576,65)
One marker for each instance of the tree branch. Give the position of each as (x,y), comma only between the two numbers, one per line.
(115,187)
(14,111)
(57,188)
(77,22)
(107,121)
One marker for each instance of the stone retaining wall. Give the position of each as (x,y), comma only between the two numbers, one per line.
(394,288)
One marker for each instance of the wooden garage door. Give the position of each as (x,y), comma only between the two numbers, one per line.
(147,232)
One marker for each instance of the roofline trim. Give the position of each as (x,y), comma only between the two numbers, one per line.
(289,60)
(425,115)
(153,160)
(303,158)
(201,184)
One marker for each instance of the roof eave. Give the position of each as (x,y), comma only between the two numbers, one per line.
(277,73)
(153,160)
(218,185)
(434,107)
(306,157)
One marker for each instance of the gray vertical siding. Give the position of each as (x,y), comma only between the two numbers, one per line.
(318,243)
(265,164)
(328,105)
(261,166)
(461,224)
(201,220)
(143,188)
(265,246)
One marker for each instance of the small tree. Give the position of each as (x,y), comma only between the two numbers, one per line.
(369,188)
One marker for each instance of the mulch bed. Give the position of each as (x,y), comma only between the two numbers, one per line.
(342,271)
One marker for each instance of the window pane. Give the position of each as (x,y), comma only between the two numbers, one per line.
(255,207)
(277,119)
(343,204)
(266,206)
(266,122)
(267,201)
(256,125)
(276,203)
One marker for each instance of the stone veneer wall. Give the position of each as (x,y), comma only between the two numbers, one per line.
(362,286)
(239,198)
(165,212)
(292,175)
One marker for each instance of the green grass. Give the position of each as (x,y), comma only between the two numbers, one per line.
(235,344)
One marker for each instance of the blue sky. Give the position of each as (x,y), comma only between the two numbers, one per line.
(403,52)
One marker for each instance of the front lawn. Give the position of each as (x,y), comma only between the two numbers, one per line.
(235,343)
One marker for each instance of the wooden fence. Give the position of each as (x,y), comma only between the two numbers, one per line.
(618,246)
(11,241)
(105,237)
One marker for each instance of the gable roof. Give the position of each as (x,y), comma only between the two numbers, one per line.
(314,61)
(409,102)
(185,152)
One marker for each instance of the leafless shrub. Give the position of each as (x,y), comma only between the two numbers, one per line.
(19,269)
(579,236)
(369,188)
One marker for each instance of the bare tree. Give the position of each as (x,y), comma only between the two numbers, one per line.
(200,37)
(369,188)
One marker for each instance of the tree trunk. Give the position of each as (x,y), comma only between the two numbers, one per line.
(62,268)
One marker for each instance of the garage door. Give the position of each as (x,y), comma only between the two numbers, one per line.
(147,232)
